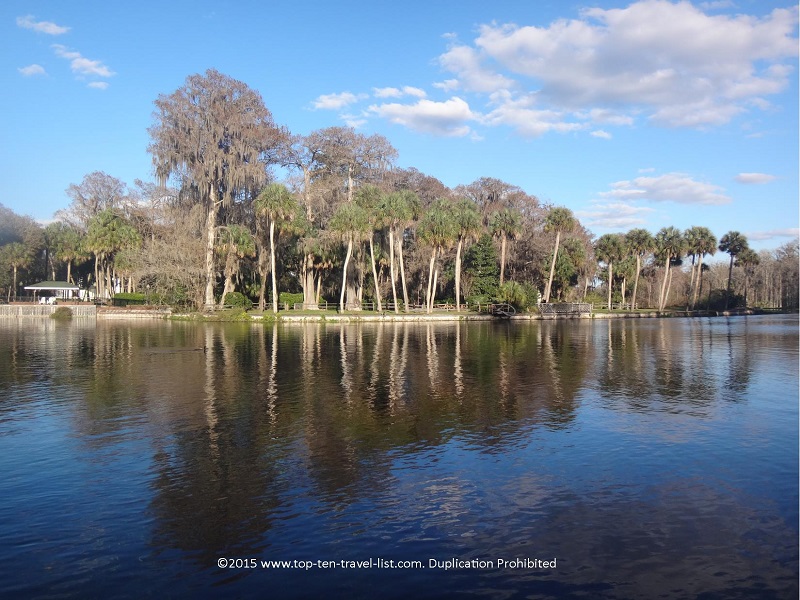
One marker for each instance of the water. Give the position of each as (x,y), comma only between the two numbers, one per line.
(648,458)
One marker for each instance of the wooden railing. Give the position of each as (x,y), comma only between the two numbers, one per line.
(566,308)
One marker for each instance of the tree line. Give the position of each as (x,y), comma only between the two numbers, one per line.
(346,225)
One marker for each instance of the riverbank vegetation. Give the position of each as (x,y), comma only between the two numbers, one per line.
(345,225)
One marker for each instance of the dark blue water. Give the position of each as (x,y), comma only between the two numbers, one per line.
(647,458)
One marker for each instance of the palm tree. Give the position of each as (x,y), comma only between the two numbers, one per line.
(235,242)
(468,225)
(734,243)
(438,229)
(699,242)
(559,219)
(639,243)
(505,223)
(370,199)
(279,206)
(747,259)
(609,249)
(18,256)
(669,245)
(108,232)
(351,223)
(397,211)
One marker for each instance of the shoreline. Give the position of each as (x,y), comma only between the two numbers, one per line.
(113,313)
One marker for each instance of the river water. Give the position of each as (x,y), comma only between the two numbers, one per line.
(652,458)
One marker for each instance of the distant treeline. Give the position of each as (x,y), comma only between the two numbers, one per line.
(349,227)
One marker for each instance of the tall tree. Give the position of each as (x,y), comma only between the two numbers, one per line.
(559,220)
(97,192)
(370,199)
(468,225)
(437,229)
(18,256)
(235,242)
(108,233)
(218,132)
(610,248)
(505,224)
(278,205)
(351,223)
(734,243)
(699,242)
(670,244)
(639,243)
(748,259)
(397,210)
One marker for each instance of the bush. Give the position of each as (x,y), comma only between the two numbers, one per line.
(237,300)
(514,294)
(290,298)
(124,299)
(717,301)
(61,313)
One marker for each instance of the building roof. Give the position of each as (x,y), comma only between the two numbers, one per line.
(52,285)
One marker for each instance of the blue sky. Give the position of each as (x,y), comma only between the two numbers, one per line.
(641,114)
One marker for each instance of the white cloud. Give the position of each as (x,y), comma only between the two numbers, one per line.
(30,22)
(466,63)
(754,178)
(354,121)
(32,70)
(760,236)
(601,134)
(448,85)
(671,187)
(387,92)
(80,65)
(614,215)
(414,91)
(671,61)
(336,101)
(99,85)
(447,118)
(393,92)
(521,114)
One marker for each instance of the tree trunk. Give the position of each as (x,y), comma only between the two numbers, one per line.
(661,298)
(262,277)
(375,276)
(728,291)
(15,282)
(402,273)
(211,227)
(307,281)
(272,266)
(502,259)
(691,285)
(624,281)
(636,281)
(69,271)
(698,285)
(392,273)
(433,289)
(610,282)
(669,285)
(430,281)
(552,268)
(458,274)
(229,270)
(344,273)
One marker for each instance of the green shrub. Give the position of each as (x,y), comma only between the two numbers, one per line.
(238,300)
(290,298)
(61,313)
(514,294)
(125,298)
